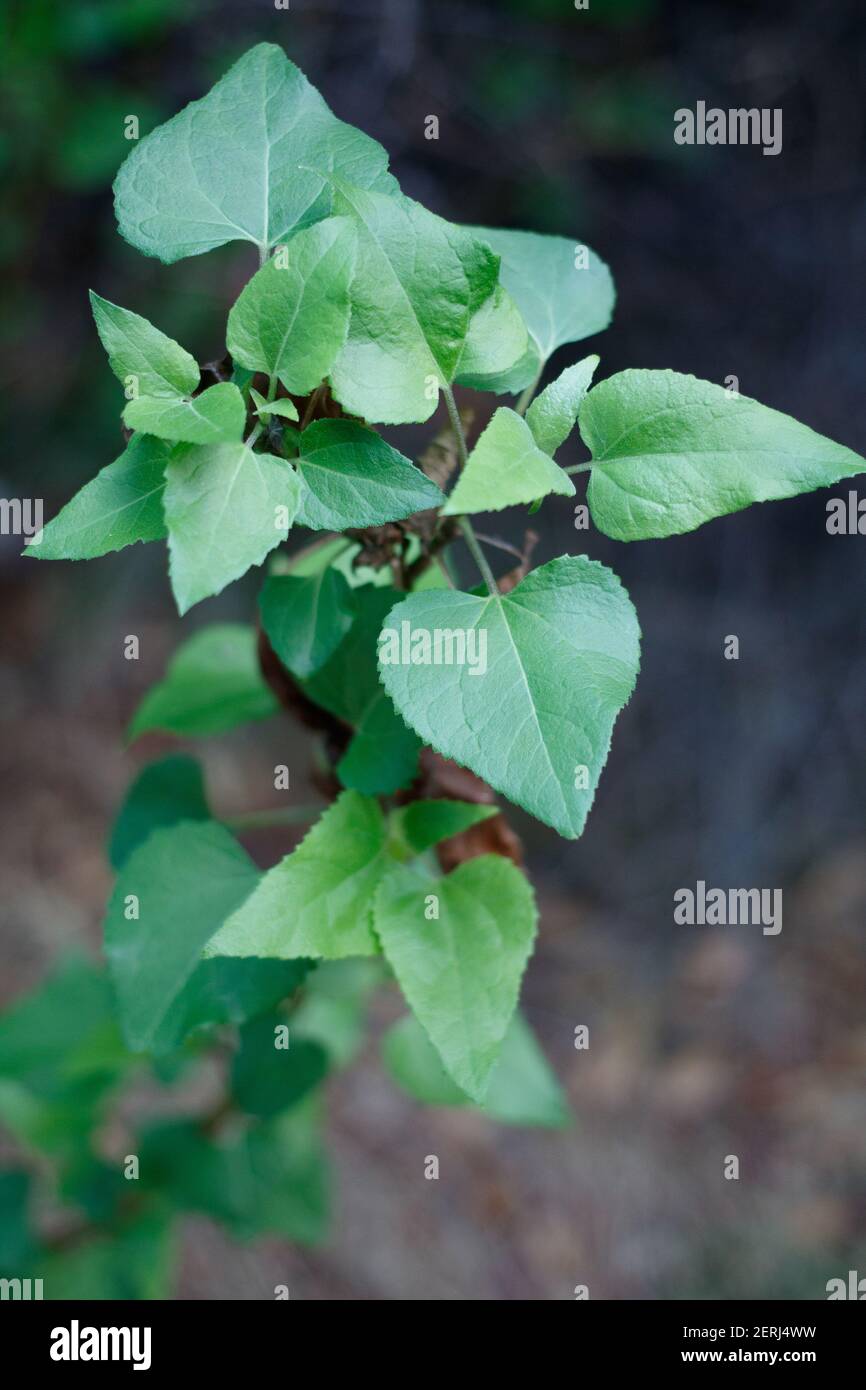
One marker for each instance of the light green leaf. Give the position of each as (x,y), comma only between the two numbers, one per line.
(422,824)
(292,318)
(332,1009)
(460,971)
(241,164)
(162,794)
(558,658)
(172,894)
(561,300)
(353,477)
(435,576)
(671,452)
(157,364)
(267,1079)
(417,282)
(523,1089)
(383,755)
(284,407)
(341,553)
(217,415)
(311,559)
(226,508)
(121,505)
(306,618)
(213,683)
(553,414)
(318,900)
(496,355)
(506,467)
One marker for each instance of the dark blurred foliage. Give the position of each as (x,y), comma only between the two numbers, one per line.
(741,773)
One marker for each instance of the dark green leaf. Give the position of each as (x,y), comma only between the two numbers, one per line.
(268,1077)
(352,477)
(162,794)
(306,618)
(172,895)
(383,755)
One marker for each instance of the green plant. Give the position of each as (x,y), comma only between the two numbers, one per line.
(365,310)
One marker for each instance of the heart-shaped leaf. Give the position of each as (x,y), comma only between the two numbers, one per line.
(418,281)
(306,617)
(523,688)
(292,318)
(226,508)
(458,946)
(671,452)
(241,164)
(563,290)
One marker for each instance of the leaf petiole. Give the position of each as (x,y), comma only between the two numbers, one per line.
(277,815)
(463,521)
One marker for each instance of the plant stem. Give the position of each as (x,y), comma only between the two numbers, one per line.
(457,426)
(463,521)
(311,405)
(525,398)
(578,468)
(499,544)
(277,815)
(478,554)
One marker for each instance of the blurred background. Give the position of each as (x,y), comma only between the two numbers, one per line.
(704,1041)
